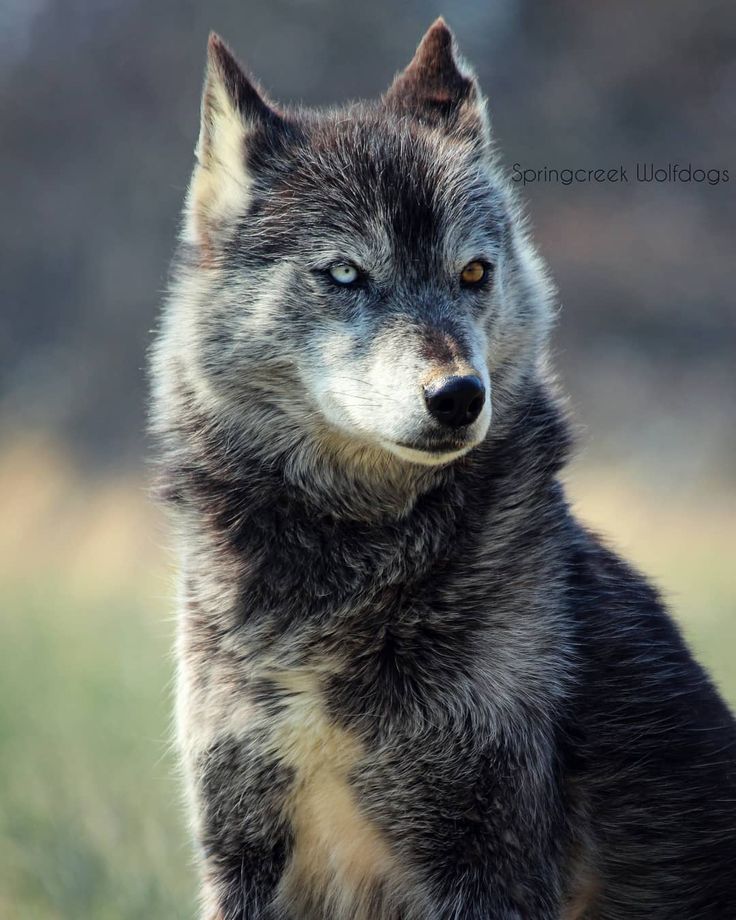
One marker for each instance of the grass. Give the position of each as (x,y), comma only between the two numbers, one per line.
(89,820)
(91,825)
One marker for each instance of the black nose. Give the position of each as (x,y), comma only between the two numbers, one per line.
(456,401)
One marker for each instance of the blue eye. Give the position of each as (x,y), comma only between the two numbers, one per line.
(344,273)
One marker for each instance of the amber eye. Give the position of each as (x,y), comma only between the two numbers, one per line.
(474,273)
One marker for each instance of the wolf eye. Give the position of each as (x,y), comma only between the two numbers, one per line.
(474,273)
(344,273)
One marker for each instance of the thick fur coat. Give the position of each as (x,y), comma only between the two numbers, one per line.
(411,686)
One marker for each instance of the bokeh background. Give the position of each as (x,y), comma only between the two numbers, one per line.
(98,118)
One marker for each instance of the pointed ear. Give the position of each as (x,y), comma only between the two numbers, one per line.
(233,108)
(438,88)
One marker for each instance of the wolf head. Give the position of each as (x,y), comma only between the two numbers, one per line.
(353,283)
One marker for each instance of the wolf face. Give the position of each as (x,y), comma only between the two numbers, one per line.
(355,280)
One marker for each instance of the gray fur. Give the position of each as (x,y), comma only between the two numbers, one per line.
(406,689)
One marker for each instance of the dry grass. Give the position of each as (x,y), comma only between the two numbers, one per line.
(90,823)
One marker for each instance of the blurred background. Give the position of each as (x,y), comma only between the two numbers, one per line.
(98,119)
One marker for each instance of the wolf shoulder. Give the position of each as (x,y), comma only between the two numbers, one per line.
(651,744)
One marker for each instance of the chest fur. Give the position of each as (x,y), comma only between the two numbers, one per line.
(338,861)
(339,857)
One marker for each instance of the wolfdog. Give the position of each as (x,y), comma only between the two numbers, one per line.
(410,684)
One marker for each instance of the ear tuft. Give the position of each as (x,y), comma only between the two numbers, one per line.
(233,108)
(224,70)
(434,69)
(437,86)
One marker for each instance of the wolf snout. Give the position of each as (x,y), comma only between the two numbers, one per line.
(455,401)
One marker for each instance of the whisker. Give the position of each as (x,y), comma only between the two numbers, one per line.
(371,386)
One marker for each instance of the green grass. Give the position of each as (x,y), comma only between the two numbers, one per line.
(90,820)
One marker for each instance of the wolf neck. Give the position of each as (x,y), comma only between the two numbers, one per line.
(298,535)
